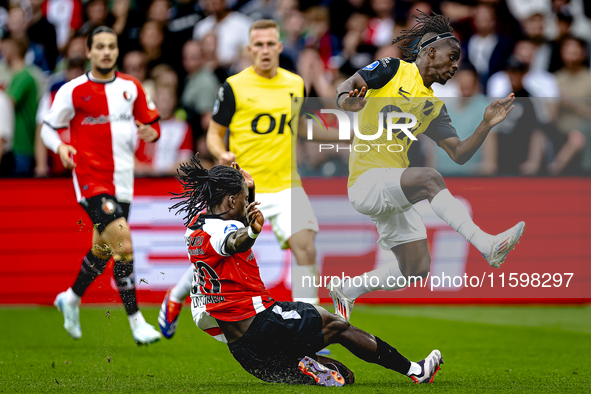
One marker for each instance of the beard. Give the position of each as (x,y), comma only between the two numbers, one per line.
(105,71)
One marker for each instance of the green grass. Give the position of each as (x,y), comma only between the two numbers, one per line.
(486,350)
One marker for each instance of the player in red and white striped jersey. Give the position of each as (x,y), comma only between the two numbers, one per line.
(106,111)
(274,341)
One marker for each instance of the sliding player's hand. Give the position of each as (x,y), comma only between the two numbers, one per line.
(64,151)
(247,177)
(146,132)
(255,217)
(498,111)
(355,101)
(227,158)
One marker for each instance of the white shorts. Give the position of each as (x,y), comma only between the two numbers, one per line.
(377,193)
(289,212)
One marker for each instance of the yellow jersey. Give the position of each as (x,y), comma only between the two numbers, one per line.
(263,127)
(395,86)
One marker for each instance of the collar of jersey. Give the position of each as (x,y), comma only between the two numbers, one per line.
(93,79)
(266,79)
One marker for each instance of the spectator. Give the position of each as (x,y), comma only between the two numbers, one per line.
(381,27)
(201,86)
(135,63)
(319,36)
(23,94)
(533,28)
(6,134)
(486,49)
(65,16)
(209,46)
(230,28)
(76,49)
(312,71)
(46,162)
(17,25)
(574,80)
(175,144)
(43,33)
(293,36)
(97,15)
(539,83)
(151,41)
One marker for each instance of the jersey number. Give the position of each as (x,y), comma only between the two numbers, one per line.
(272,123)
(207,280)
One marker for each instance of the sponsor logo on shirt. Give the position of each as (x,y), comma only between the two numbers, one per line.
(372,65)
(230,228)
(104,119)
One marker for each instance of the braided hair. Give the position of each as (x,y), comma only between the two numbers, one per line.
(203,188)
(426,25)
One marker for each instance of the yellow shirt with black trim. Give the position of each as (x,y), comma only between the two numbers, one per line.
(263,127)
(395,86)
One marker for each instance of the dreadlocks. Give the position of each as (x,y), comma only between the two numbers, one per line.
(432,25)
(203,188)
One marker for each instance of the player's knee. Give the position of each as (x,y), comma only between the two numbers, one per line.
(102,251)
(418,268)
(433,181)
(335,327)
(123,251)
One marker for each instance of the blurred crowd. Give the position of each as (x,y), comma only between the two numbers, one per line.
(183,50)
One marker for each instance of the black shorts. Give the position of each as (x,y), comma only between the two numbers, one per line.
(103,209)
(277,340)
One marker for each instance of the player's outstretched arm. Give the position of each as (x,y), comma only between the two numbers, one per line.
(215,143)
(351,93)
(243,239)
(461,151)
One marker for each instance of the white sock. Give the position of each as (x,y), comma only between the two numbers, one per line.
(415,369)
(181,290)
(309,292)
(387,274)
(454,213)
(72,298)
(135,320)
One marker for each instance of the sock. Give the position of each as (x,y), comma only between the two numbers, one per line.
(389,270)
(415,369)
(72,298)
(135,320)
(92,267)
(454,213)
(388,357)
(123,272)
(181,290)
(309,292)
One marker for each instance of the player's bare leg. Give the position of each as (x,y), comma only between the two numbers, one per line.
(427,184)
(302,246)
(117,240)
(412,263)
(372,349)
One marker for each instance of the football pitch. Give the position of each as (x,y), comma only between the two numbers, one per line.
(545,349)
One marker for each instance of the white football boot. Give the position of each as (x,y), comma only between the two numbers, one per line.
(343,306)
(503,244)
(71,315)
(429,368)
(143,333)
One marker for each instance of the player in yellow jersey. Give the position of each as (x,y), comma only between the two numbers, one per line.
(380,184)
(256,106)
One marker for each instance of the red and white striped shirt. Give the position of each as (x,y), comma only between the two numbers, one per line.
(225,287)
(101,116)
